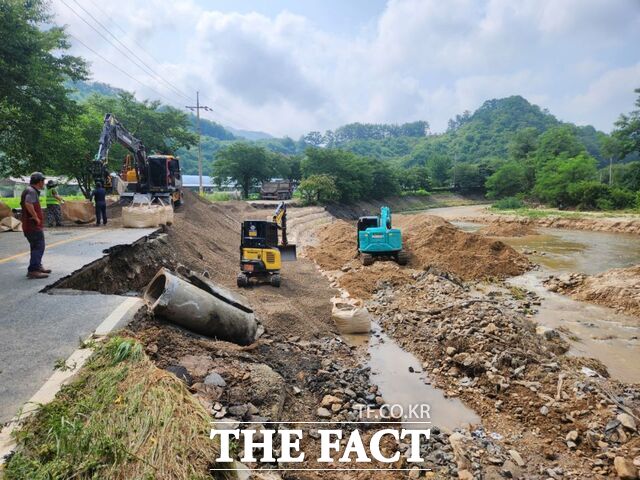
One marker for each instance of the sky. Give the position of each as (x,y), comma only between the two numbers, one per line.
(290,67)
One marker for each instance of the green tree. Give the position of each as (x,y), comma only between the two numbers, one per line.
(439,168)
(318,189)
(467,177)
(524,143)
(555,142)
(413,179)
(554,179)
(509,180)
(34,105)
(628,128)
(245,164)
(613,150)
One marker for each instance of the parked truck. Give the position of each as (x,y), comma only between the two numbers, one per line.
(277,190)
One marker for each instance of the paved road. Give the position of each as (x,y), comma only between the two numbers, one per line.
(36,328)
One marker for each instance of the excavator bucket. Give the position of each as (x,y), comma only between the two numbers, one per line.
(288,253)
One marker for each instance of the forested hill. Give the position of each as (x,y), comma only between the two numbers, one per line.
(478,137)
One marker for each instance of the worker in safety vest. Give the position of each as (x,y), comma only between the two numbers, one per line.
(54,212)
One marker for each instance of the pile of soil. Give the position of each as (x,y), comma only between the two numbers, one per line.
(430,241)
(433,242)
(508,230)
(618,288)
(362,282)
(337,245)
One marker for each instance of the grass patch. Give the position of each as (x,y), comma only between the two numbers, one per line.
(123,418)
(509,203)
(14,202)
(218,196)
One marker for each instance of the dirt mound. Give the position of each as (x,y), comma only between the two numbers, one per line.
(430,241)
(618,288)
(507,230)
(337,245)
(439,244)
(363,282)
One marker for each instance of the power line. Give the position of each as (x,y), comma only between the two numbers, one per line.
(175,89)
(117,67)
(115,24)
(109,41)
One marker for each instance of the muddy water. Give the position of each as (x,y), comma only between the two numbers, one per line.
(594,331)
(390,370)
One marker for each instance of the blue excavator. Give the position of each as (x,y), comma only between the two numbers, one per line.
(377,239)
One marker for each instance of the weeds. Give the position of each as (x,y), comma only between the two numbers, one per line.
(123,418)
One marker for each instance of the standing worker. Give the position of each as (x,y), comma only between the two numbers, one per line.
(100,196)
(54,212)
(33,225)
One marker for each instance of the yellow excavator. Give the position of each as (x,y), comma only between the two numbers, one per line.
(261,253)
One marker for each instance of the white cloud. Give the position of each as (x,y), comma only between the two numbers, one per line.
(423,59)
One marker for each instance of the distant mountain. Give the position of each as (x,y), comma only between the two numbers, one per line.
(249,134)
(212,129)
(83,90)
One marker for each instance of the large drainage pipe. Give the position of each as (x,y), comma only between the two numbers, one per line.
(180,302)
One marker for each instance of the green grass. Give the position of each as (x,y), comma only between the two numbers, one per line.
(14,202)
(218,196)
(534,213)
(122,418)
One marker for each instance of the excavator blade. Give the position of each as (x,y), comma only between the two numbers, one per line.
(288,253)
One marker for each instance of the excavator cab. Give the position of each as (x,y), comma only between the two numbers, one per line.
(261,252)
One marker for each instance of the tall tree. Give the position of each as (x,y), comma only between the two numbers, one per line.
(628,128)
(34,105)
(245,164)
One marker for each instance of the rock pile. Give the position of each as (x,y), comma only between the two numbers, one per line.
(486,351)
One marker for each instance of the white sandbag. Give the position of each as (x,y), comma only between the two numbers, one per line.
(78,211)
(350,316)
(10,224)
(5,211)
(142,216)
(166,213)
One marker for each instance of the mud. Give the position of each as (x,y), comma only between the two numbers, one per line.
(594,224)
(618,288)
(508,230)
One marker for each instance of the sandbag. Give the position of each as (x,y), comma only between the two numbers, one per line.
(350,316)
(78,211)
(10,224)
(166,213)
(143,216)
(5,211)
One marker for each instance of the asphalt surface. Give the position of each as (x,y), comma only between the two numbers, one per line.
(36,329)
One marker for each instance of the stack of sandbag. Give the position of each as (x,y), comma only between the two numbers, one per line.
(5,211)
(350,316)
(10,224)
(78,211)
(143,216)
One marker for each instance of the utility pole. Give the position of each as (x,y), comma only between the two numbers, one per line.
(197,109)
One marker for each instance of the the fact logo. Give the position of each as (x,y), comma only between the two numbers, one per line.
(355,449)
(377,440)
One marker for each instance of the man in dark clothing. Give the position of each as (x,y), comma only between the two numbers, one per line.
(100,196)
(33,225)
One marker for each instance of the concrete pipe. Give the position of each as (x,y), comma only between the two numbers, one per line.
(180,302)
